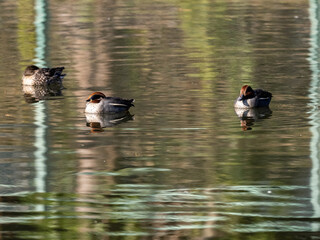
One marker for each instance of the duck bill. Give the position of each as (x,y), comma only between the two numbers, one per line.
(241,97)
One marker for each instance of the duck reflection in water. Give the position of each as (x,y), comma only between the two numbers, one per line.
(251,115)
(36,93)
(99,121)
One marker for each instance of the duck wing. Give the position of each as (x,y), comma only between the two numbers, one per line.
(262,93)
(52,72)
(115,101)
(53,75)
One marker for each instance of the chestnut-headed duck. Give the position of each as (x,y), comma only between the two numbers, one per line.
(34,75)
(97,102)
(250,98)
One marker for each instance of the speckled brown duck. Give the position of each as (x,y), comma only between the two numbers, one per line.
(34,75)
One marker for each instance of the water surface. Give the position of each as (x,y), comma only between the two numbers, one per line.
(183,164)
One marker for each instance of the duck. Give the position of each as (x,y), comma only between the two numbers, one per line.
(34,75)
(250,98)
(97,102)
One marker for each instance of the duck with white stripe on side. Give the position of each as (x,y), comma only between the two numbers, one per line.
(250,98)
(97,102)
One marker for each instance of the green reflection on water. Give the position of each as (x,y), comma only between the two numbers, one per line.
(26,30)
(184,61)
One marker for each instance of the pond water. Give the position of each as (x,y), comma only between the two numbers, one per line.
(183,164)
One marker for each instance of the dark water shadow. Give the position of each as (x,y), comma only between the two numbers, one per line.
(99,121)
(249,116)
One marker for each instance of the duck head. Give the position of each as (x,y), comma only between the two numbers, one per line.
(95,97)
(30,70)
(246,92)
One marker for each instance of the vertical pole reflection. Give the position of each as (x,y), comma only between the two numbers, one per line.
(41,149)
(40,107)
(314,117)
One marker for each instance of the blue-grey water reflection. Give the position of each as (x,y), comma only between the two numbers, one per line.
(181,164)
(314,115)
